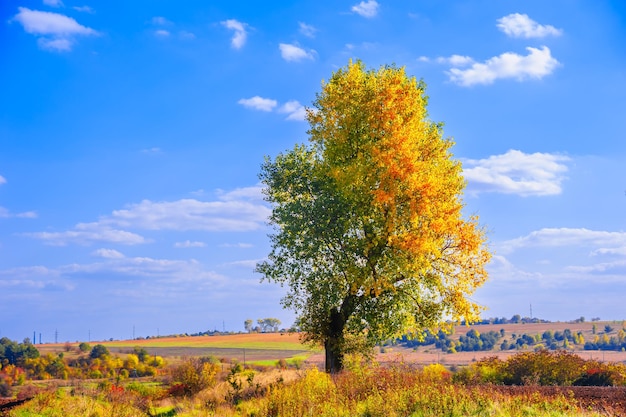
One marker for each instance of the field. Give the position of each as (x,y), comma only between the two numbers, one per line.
(259,348)
(264,348)
(410,382)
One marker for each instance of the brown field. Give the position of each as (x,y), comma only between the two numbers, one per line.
(273,346)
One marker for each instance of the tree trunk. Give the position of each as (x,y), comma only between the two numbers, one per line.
(333,345)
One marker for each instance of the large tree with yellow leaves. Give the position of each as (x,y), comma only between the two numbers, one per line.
(370,239)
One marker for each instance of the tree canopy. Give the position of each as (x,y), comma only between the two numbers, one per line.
(369,234)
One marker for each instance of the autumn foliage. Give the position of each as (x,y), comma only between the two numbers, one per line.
(370,234)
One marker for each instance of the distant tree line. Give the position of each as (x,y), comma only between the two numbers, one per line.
(473,340)
(267,325)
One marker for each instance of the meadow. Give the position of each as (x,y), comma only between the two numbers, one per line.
(207,376)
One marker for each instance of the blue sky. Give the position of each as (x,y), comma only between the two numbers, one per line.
(132,133)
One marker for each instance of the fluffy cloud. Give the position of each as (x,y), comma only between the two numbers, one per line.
(84,9)
(56,31)
(293,53)
(87,233)
(239,37)
(573,237)
(367,9)
(519,25)
(108,254)
(537,64)
(160,21)
(46,23)
(515,172)
(455,60)
(243,193)
(258,103)
(162,33)
(161,270)
(59,45)
(293,108)
(307,30)
(189,244)
(190,214)
(53,3)
(5,213)
(240,210)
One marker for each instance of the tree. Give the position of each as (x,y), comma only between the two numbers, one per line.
(248,325)
(369,235)
(98,352)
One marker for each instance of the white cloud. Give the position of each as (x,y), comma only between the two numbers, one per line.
(27,215)
(183,34)
(84,9)
(574,237)
(56,31)
(59,45)
(2,180)
(237,211)
(294,109)
(307,30)
(519,25)
(153,150)
(162,33)
(163,270)
(367,9)
(236,245)
(537,64)
(258,103)
(46,23)
(87,233)
(53,3)
(455,60)
(108,254)
(190,214)
(294,53)
(243,193)
(248,263)
(189,244)
(5,214)
(515,172)
(239,38)
(160,21)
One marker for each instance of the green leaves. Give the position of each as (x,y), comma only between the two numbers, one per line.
(369,215)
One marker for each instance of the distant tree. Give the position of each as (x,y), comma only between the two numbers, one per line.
(142,353)
(99,352)
(608,329)
(371,240)
(248,325)
(269,324)
(516,318)
(84,347)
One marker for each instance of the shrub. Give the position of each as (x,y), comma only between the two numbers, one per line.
(192,376)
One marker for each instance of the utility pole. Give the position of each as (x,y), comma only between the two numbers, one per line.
(56,336)
(531,311)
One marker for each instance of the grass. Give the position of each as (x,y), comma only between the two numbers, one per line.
(264,341)
(363,391)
